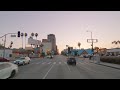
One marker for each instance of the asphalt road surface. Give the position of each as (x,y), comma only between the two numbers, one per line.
(57,68)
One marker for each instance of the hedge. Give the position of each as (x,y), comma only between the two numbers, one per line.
(110,59)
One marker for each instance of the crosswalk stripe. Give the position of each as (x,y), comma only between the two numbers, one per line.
(65,62)
(54,63)
(38,63)
(49,62)
(59,62)
(43,62)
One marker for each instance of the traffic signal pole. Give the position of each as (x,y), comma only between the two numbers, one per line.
(5,42)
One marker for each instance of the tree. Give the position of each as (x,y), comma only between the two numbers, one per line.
(116,42)
(32,34)
(79,44)
(22,34)
(96,48)
(25,38)
(36,35)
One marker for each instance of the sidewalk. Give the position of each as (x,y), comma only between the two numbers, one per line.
(112,65)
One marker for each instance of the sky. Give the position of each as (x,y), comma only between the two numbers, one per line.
(69,27)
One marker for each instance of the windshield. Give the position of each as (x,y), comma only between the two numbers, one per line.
(22,58)
(61,44)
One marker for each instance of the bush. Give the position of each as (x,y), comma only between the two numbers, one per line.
(110,59)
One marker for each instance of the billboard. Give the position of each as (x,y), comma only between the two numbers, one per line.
(33,41)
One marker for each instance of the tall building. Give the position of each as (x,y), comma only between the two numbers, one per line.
(52,39)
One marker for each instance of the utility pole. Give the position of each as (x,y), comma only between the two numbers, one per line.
(4,47)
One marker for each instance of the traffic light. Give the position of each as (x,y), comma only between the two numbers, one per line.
(18,33)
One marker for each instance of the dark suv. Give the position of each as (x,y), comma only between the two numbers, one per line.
(71,61)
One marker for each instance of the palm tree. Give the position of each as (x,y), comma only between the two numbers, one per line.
(36,35)
(25,38)
(116,42)
(22,34)
(79,44)
(32,34)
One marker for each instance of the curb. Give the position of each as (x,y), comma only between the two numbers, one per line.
(106,65)
(110,66)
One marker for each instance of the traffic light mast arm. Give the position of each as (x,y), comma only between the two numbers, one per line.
(7,34)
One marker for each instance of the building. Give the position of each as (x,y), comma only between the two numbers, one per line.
(81,52)
(113,51)
(8,53)
(47,46)
(51,38)
(34,42)
(45,40)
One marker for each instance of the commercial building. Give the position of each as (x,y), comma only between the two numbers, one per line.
(47,46)
(7,54)
(113,51)
(52,39)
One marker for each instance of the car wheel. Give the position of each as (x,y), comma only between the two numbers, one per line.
(74,64)
(29,62)
(12,74)
(23,63)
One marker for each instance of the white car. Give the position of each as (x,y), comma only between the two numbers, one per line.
(8,70)
(50,56)
(22,61)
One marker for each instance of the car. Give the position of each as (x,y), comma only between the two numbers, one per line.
(22,61)
(71,61)
(50,56)
(4,59)
(8,70)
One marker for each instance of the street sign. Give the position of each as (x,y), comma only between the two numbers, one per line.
(90,40)
(13,35)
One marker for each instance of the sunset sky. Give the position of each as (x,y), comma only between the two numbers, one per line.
(69,27)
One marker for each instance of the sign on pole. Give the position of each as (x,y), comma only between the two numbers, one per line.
(13,35)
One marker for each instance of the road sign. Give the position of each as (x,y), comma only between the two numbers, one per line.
(13,35)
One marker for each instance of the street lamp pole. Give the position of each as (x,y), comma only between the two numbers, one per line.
(91,39)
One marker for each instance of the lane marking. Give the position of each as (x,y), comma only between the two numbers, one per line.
(67,66)
(88,69)
(43,62)
(49,63)
(48,71)
(65,62)
(59,62)
(38,62)
(54,63)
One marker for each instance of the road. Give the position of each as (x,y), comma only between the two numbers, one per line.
(57,68)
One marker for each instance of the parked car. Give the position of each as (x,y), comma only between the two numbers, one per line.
(22,61)
(4,60)
(71,61)
(8,70)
